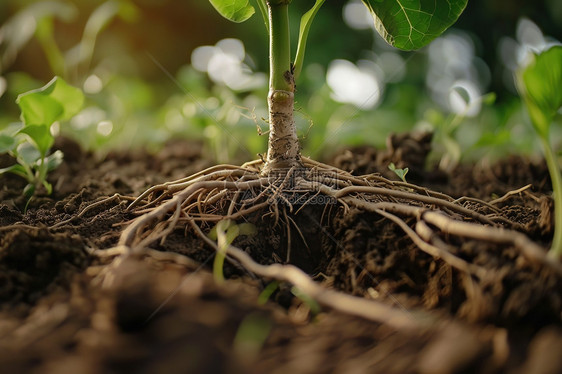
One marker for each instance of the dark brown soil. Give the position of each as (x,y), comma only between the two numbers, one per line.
(158,316)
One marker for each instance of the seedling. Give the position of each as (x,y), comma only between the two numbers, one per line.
(401,173)
(539,85)
(404,24)
(224,233)
(30,141)
(267,292)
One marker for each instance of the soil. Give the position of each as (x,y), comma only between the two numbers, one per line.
(61,312)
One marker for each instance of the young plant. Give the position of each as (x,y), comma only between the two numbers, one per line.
(404,24)
(401,173)
(30,142)
(539,84)
(224,233)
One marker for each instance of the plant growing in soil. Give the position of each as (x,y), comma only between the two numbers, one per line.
(30,141)
(400,173)
(539,84)
(224,233)
(406,26)
(276,192)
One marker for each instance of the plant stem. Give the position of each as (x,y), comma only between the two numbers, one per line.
(556,179)
(279,46)
(283,149)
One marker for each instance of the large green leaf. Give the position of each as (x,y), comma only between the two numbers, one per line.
(411,24)
(234,10)
(56,101)
(540,84)
(39,110)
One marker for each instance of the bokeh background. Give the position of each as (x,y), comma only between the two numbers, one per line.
(156,70)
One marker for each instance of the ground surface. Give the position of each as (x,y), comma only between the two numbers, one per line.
(61,312)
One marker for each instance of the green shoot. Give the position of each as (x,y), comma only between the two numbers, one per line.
(251,335)
(309,301)
(224,233)
(267,292)
(401,173)
(539,85)
(306,22)
(29,142)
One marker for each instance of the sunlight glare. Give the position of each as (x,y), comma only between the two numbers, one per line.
(93,84)
(105,128)
(352,84)
(465,98)
(356,16)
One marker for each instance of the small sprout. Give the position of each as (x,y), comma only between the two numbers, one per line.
(400,172)
(539,85)
(30,142)
(224,233)
(265,295)
(312,304)
(251,336)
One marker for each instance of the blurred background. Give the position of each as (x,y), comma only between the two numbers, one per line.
(155,70)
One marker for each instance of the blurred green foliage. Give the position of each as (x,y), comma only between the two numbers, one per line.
(30,142)
(132,58)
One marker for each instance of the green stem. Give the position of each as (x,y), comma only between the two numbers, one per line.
(556,179)
(279,46)
(30,176)
(218,264)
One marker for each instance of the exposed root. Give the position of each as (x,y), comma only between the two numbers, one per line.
(195,203)
(233,192)
(90,207)
(369,309)
(509,194)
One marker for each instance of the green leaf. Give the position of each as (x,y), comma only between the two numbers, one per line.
(309,301)
(28,154)
(262,6)
(48,187)
(28,191)
(539,84)
(54,160)
(41,137)
(12,129)
(411,24)
(234,10)
(489,98)
(38,109)
(7,143)
(15,169)
(401,173)
(247,229)
(56,101)
(306,22)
